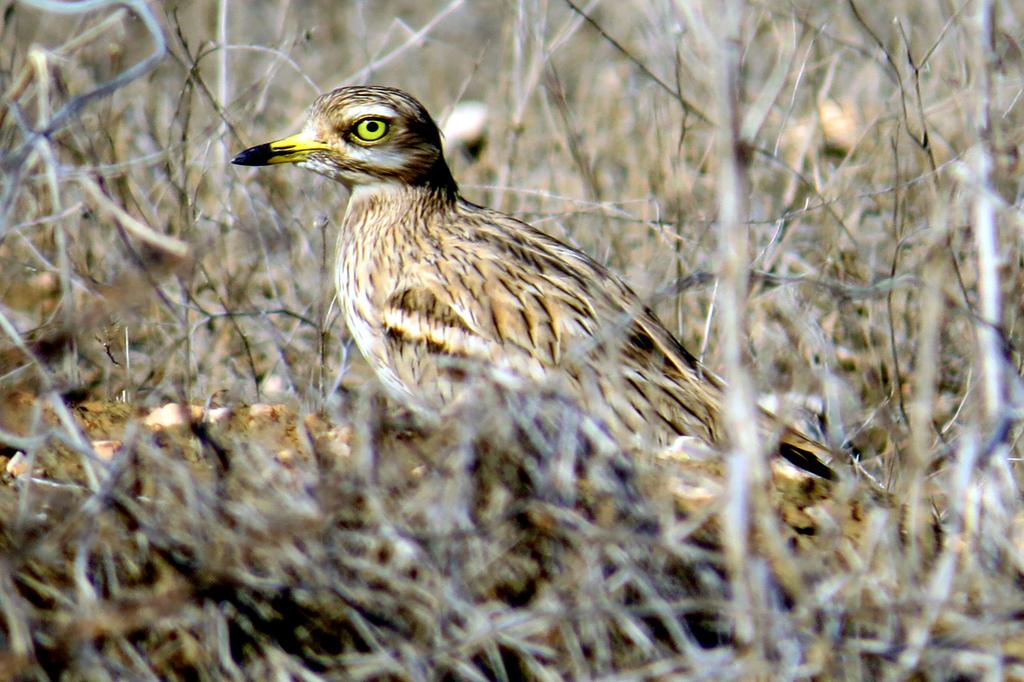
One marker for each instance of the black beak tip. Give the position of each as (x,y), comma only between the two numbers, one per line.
(253,156)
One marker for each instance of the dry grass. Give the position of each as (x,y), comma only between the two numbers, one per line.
(821,198)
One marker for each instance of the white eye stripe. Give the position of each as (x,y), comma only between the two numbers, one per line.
(371,110)
(380,158)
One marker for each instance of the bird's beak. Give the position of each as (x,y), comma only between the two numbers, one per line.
(287,150)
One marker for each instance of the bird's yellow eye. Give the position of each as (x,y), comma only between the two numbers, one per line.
(371,129)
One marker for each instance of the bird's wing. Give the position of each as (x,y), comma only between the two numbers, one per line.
(508,293)
(480,308)
(522,299)
(421,311)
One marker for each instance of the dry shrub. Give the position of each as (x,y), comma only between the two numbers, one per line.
(870,274)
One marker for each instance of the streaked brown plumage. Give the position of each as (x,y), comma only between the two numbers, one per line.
(431,284)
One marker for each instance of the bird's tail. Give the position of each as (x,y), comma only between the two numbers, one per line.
(805,453)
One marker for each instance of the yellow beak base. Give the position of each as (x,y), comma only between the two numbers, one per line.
(287,150)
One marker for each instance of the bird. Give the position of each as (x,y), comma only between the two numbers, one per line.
(432,285)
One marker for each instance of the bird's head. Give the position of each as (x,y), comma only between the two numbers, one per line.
(364,135)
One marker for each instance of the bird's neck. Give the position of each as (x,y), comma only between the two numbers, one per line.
(386,218)
(388,227)
(396,202)
(439,179)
